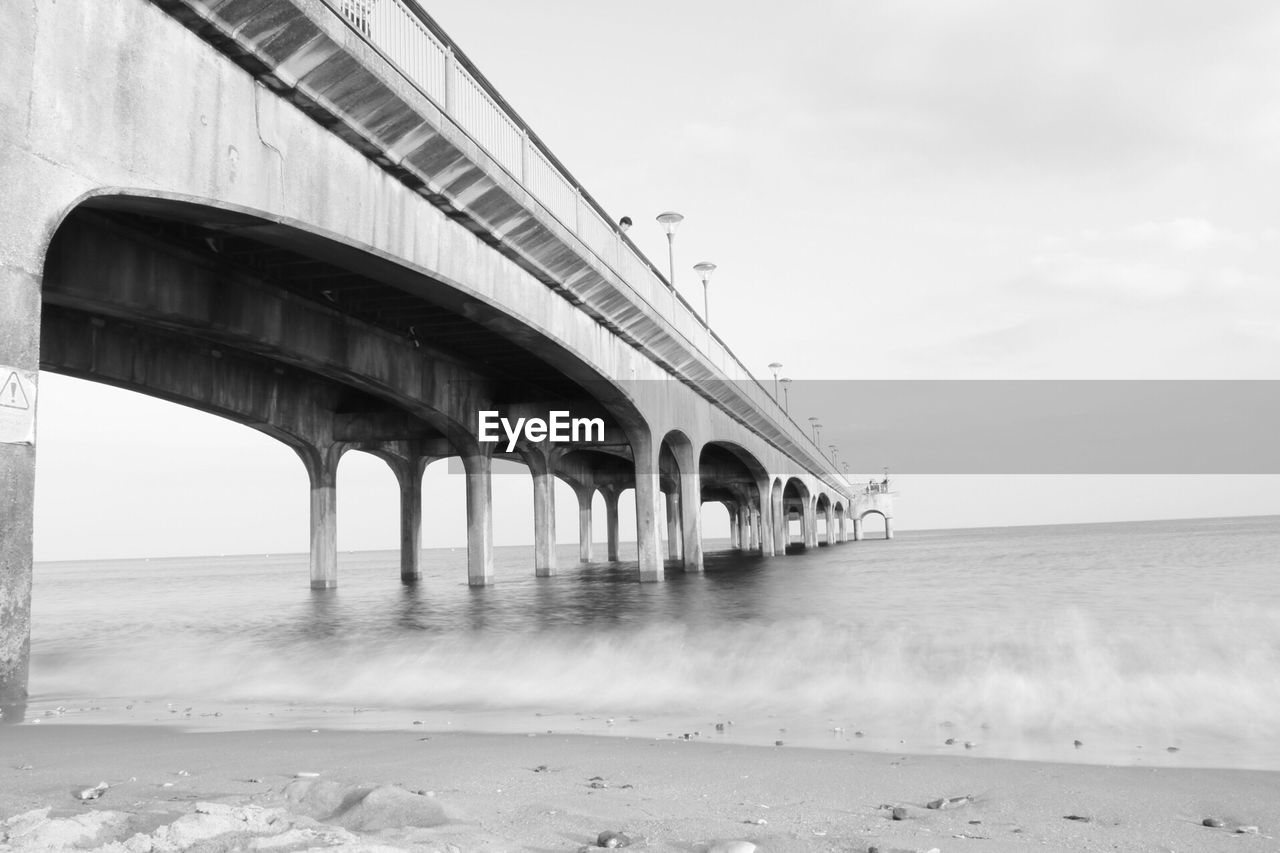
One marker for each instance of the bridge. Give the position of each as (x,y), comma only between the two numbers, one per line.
(317,218)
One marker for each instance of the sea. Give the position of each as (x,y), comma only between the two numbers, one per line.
(1153,643)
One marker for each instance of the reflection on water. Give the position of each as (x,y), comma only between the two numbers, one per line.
(1125,633)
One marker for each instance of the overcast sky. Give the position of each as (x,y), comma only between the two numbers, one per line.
(891,189)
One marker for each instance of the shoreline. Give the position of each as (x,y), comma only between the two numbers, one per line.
(1161,749)
(540,792)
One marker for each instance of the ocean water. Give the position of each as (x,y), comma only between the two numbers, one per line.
(1133,638)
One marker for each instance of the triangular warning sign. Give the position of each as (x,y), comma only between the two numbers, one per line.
(11,394)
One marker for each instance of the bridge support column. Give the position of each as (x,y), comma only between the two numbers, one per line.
(888,527)
(648,509)
(675,548)
(611,523)
(322,471)
(544,520)
(810,513)
(691,519)
(831,526)
(753,519)
(479,466)
(857,530)
(410,477)
(585,496)
(780,523)
(19,348)
(764,518)
(844,527)
(737,527)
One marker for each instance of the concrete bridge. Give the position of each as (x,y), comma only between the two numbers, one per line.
(317,219)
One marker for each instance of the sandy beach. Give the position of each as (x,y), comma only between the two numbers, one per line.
(287,790)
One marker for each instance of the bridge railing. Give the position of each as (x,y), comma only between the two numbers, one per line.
(412,41)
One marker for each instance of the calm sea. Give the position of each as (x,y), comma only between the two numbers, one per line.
(1133,638)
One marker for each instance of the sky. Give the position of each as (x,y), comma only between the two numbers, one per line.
(891,190)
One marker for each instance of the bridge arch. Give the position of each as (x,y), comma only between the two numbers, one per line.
(730,473)
(797,503)
(861,524)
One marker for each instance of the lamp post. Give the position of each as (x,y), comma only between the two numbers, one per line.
(786,396)
(670,221)
(775,367)
(704,269)
(816,427)
(835,454)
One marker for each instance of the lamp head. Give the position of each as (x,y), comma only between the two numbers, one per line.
(670,221)
(704,269)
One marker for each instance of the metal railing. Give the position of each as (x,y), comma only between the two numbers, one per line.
(416,45)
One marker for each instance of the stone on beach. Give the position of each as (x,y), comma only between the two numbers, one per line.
(1213,822)
(898,813)
(948,802)
(35,830)
(737,846)
(610,838)
(364,807)
(92,793)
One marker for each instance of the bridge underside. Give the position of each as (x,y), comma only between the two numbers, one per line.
(182,230)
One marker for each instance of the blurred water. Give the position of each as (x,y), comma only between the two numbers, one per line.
(1131,637)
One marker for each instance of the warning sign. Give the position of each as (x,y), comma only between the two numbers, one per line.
(17,405)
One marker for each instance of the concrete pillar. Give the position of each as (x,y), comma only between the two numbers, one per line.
(808,523)
(888,528)
(844,526)
(544,521)
(738,535)
(691,515)
(649,507)
(779,516)
(611,523)
(764,520)
(20,351)
(478,466)
(831,526)
(585,496)
(857,530)
(675,547)
(410,477)
(322,471)
(753,518)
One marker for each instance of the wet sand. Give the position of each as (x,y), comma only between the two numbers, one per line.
(456,791)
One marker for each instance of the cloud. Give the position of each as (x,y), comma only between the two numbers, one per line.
(1090,86)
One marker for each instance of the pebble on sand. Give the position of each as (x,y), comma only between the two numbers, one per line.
(898,813)
(1213,821)
(86,794)
(948,802)
(738,846)
(610,838)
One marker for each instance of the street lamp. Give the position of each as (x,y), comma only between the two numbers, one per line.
(670,221)
(705,269)
(786,397)
(815,426)
(775,367)
(835,454)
